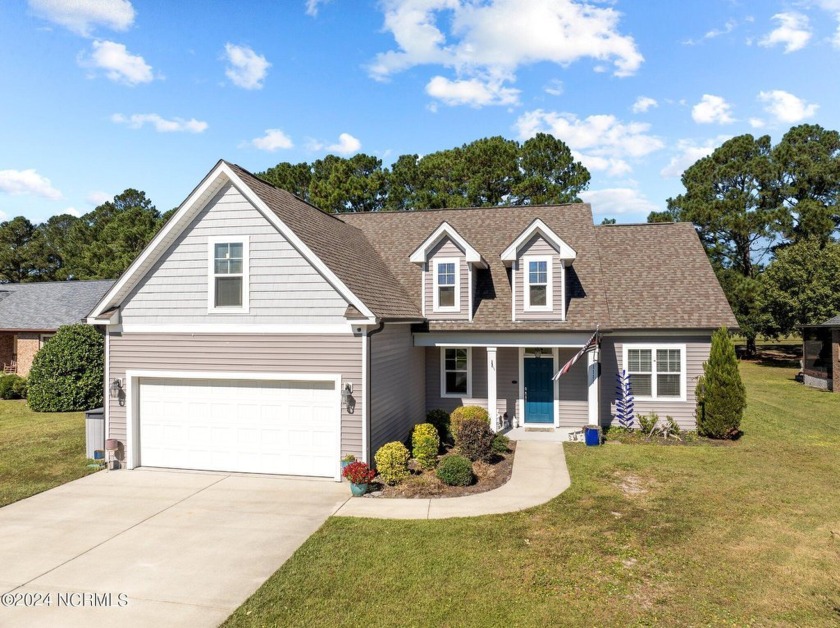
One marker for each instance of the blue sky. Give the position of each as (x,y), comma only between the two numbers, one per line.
(101,95)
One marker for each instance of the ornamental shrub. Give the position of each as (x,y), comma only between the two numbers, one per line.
(647,422)
(68,372)
(440,419)
(12,387)
(392,462)
(720,393)
(425,443)
(501,444)
(466,412)
(475,439)
(455,471)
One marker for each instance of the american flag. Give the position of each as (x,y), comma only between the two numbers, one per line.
(591,344)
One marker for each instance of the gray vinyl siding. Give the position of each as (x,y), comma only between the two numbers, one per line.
(507,379)
(697,352)
(397,385)
(447,248)
(243,353)
(284,287)
(539,246)
(573,391)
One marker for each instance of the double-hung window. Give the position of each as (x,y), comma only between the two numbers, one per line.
(656,371)
(537,283)
(228,274)
(456,366)
(446,285)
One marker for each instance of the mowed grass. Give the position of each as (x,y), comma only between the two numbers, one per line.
(38,450)
(744,533)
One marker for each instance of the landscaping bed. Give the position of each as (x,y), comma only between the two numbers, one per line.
(424,483)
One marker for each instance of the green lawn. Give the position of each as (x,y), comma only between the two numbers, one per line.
(745,533)
(38,450)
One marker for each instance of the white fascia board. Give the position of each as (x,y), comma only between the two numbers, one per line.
(538,227)
(501,339)
(216,178)
(421,253)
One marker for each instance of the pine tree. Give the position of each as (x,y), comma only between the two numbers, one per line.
(721,397)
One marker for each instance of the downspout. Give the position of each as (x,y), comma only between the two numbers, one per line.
(366,429)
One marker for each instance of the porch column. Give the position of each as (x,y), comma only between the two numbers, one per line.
(593,370)
(491,386)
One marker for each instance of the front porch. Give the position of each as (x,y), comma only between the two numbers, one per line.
(514,382)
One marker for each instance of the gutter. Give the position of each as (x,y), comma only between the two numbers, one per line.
(367,422)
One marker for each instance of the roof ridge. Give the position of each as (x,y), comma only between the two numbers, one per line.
(426,210)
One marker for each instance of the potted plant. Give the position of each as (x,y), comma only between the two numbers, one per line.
(359,474)
(348,458)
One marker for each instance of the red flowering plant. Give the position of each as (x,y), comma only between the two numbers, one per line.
(359,473)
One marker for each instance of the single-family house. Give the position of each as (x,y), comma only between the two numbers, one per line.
(30,313)
(821,354)
(257,333)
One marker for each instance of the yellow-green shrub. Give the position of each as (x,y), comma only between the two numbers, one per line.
(466,412)
(392,462)
(425,443)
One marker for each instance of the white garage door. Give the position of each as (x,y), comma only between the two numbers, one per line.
(286,427)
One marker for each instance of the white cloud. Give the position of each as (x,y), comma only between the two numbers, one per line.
(346,145)
(786,107)
(119,65)
(82,16)
(246,68)
(98,197)
(312,6)
(473,92)
(20,182)
(554,87)
(793,32)
(714,33)
(70,210)
(756,123)
(274,139)
(616,201)
(712,109)
(600,142)
(491,40)
(643,103)
(687,153)
(161,125)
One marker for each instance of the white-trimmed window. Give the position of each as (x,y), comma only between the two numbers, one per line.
(43,339)
(538,297)
(456,372)
(657,372)
(447,285)
(228,274)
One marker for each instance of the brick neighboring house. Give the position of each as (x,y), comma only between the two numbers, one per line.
(821,354)
(30,313)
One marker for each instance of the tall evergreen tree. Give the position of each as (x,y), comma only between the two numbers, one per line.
(721,396)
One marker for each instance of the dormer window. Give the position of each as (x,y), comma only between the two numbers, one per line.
(538,290)
(447,286)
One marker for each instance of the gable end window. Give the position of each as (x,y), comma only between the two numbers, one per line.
(456,372)
(538,297)
(447,285)
(657,372)
(228,275)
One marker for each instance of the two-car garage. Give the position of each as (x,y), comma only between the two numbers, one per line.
(208,422)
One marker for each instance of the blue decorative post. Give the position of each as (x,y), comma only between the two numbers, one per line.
(624,403)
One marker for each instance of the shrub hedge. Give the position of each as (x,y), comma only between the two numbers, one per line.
(440,419)
(12,387)
(425,443)
(392,462)
(466,412)
(67,374)
(474,439)
(455,471)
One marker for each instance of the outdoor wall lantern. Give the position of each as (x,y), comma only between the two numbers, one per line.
(347,397)
(117,391)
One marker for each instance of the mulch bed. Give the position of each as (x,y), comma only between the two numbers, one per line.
(425,484)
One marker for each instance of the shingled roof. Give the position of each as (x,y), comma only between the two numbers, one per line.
(48,305)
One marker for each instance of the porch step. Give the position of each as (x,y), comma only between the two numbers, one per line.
(539,429)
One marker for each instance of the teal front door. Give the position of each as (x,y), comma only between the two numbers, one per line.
(539,389)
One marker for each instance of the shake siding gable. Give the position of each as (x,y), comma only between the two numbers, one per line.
(539,246)
(243,353)
(397,380)
(284,286)
(446,248)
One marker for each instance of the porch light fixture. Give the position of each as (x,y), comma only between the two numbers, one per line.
(116,390)
(347,397)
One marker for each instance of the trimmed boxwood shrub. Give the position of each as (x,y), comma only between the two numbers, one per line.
(425,443)
(12,387)
(501,444)
(474,439)
(466,412)
(455,471)
(68,372)
(440,419)
(392,462)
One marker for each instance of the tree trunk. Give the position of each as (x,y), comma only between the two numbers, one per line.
(751,348)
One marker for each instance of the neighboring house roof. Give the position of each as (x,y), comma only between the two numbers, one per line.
(831,322)
(47,306)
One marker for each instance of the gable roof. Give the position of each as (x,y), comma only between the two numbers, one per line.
(658,276)
(46,306)
(834,321)
(445,230)
(538,227)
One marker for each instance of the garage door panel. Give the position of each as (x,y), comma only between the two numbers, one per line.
(284,427)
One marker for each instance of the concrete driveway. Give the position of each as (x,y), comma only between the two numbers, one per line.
(172,548)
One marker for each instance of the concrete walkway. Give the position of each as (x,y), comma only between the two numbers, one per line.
(539,474)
